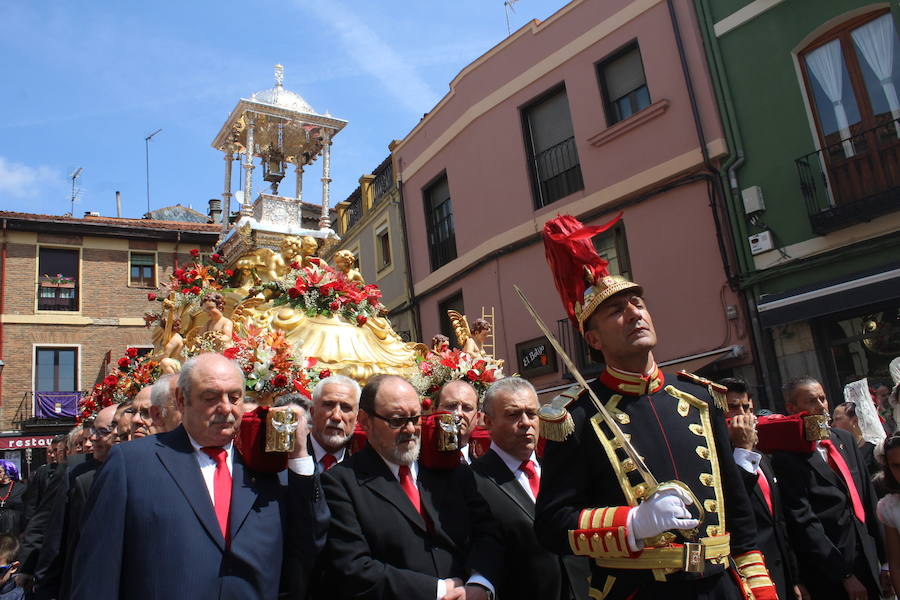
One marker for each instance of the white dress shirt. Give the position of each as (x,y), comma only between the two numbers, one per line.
(441,584)
(748,460)
(515,466)
(465,454)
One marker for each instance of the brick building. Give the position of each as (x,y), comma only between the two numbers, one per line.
(73,292)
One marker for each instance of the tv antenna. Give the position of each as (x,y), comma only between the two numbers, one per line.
(147,162)
(76,191)
(508,6)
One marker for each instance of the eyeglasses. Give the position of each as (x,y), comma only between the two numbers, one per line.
(101,432)
(399,422)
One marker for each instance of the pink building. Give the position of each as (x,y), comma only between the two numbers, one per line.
(588,113)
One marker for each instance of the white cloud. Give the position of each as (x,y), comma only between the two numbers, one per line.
(19,181)
(375,57)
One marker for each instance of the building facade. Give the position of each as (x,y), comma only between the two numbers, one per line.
(605,107)
(371,225)
(811,118)
(73,293)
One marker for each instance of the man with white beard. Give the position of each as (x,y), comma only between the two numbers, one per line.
(335,405)
(399,529)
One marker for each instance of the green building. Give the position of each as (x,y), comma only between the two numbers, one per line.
(808,95)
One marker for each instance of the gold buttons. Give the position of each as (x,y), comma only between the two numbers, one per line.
(683,407)
(628,465)
(696,429)
(702,452)
(640,490)
(706,479)
(622,418)
(710,505)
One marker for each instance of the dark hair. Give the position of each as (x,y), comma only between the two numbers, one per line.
(480,325)
(367,396)
(891,442)
(9,547)
(59,438)
(796,382)
(439,340)
(215,297)
(736,385)
(849,408)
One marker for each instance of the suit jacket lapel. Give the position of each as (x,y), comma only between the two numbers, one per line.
(497,471)
(375,475)
(823,468)
(177,456)
(242,494)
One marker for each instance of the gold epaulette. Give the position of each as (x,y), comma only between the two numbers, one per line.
(717,391)
(556,422)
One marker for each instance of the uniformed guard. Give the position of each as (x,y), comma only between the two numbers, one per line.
(650,490)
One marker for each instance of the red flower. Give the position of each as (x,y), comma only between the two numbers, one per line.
(132,352)
(185,291)
(195,253)
(295,265)
(298,385)
(217,258)
(178,273)
(361,320)
(231,352)
(426,404)
(334,306)
(426,368)
(195,290)
(480,365)
(472,375)
(293,292)
(324,374)
(110,380)
(487,377)
(229,272)
(151,296)
(124,361)
(279,381)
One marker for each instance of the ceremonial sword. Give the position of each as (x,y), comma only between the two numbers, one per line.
(621,440)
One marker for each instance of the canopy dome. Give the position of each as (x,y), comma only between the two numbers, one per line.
(278,96)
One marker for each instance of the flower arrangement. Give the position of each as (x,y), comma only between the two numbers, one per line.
(187,285)
(436,369)
(132,373)
(318,289)
(57,279)
(269,364)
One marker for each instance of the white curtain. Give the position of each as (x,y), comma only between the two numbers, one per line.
(875,41)
(826,64)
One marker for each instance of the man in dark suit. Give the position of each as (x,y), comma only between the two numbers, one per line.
(179,515)
(763,489)
(830,506)
(508,477)
(459,397)
(335,406)
(400,530)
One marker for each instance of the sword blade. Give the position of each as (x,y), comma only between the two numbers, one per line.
(619,436)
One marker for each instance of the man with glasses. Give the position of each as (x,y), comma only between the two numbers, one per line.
(460,398)
(141,420)
(124,414)
(400,529)
(54,570)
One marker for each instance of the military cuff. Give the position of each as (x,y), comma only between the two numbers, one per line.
(602,533)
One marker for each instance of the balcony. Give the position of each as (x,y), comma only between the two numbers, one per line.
(354,209)
(57,296)
(40,410)
(854,180)
(556,173)
(384,179)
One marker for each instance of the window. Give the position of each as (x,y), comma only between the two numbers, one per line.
(56,369)
(611,245)
(550,143)
(623,84)
(383,247)
(142,272)
(454,302)
(439,222)
(57,279)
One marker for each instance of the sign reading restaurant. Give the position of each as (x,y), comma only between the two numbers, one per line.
(26,441)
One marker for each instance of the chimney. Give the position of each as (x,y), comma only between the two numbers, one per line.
(119,204)
(215,210)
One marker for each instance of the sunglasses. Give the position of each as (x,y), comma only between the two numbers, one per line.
(399,422)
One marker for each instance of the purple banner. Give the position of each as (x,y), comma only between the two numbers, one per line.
(56,405)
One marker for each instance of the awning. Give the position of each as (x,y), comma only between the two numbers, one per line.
(695,362)
(831,297)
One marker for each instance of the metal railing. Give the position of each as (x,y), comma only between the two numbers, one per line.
(384,179)
(853,180)
(441,235)
(354,210)
(25,413)
(556,172)
(55,297)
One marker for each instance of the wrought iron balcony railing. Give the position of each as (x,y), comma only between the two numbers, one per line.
(354,210)
(384,179)
(556,172)
(47,408)
(854,180)
(57,296)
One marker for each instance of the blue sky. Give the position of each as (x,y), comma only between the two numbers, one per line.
(85,82)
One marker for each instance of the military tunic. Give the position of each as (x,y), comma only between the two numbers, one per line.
(680,433)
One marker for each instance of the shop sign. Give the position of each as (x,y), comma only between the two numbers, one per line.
(23,442)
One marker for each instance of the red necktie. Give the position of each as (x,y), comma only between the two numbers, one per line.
(409,487)
(839,465)
(763,484)
(221,487)
(328,461)
(532,476)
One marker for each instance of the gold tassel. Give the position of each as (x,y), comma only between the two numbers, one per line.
(719,398)
(556,422)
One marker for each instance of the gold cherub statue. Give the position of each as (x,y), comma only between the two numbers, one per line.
(471,341)
(344,261)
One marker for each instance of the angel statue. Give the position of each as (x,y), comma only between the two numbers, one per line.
(345,261)
(470,340)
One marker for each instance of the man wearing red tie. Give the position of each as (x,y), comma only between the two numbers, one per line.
(763,489)
(335,405)
(830,507)
(399,529)
(179,514)
(508,477)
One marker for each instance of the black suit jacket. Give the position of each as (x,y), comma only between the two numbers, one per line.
(532,571)
(379,547)
(829,541)
(771,529)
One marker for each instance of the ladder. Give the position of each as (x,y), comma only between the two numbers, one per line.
(488,346)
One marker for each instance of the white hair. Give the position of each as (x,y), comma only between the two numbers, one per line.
(160,392)
(507,385)
(336,380)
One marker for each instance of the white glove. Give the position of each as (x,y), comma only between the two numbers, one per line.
(664,510)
